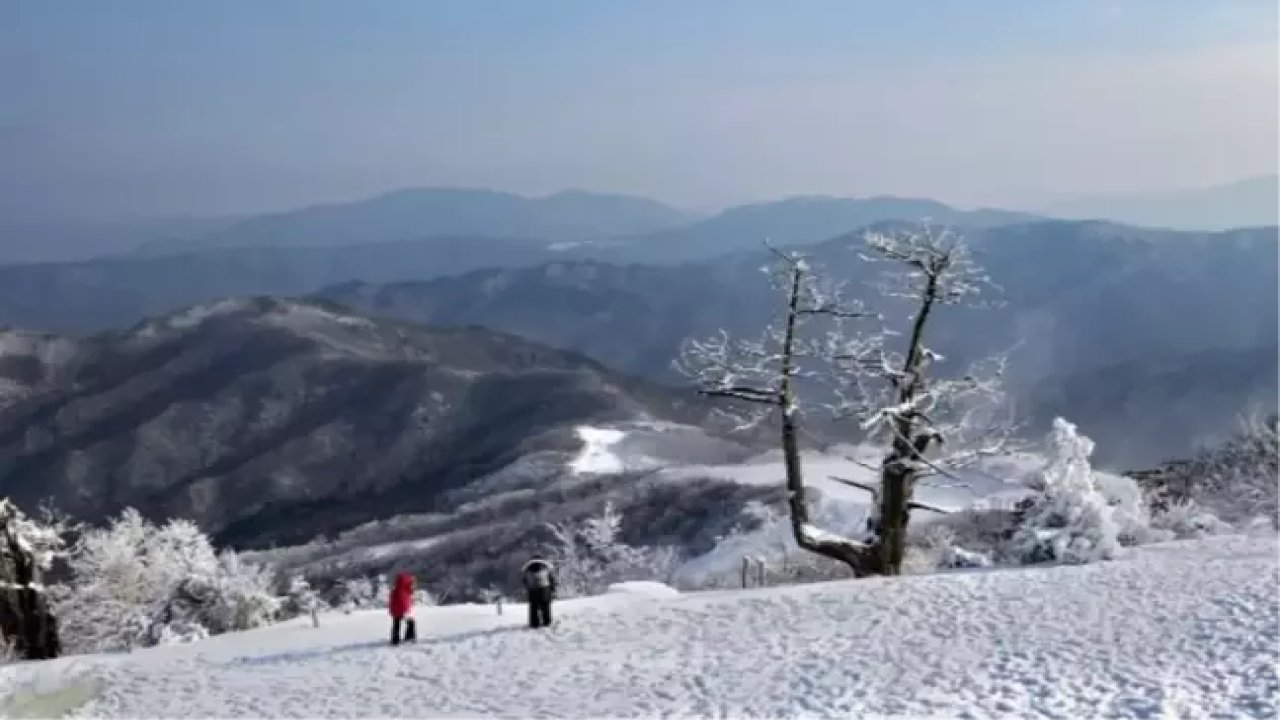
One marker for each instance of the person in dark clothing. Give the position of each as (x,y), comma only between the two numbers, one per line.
(540,584)
(400,607)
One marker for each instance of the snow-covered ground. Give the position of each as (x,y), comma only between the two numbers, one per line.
(1183,630)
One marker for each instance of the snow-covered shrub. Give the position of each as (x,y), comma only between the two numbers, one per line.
(1187,519)
(300,599)
(243,598)
(591,556)
(359,593)
(136,584)
(175,632)
(1069,520)
(937,549)
(1234,482)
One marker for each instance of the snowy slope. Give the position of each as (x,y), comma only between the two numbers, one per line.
(1183,630)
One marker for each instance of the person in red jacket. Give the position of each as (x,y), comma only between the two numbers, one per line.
(400,605)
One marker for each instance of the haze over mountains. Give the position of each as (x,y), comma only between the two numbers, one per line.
(1077,298)
(421,213)
(1252,202)
(574,216)
(273,419)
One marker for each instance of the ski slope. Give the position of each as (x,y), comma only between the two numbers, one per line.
(1183,630)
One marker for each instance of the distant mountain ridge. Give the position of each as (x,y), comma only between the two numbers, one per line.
(793,221)
(1079,298)
(426,212)
(1252,202)
(617,227)
(292,254)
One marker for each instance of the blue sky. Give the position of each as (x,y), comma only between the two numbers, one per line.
(149,108)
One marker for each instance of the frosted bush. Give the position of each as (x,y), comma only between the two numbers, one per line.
(1187,519)
(299,598)
(1070,520)
(356,594)
(178,632)
(591,556)
(244,597)
(937,549)
(1236,481)
(135,584)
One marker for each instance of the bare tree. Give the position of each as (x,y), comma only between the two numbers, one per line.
(894,396)
(889,392)
(763,375)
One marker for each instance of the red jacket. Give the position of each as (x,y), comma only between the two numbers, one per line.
(401,600)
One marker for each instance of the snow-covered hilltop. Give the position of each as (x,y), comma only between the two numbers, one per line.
(1179,630)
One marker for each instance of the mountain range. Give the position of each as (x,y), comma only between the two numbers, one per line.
(648,230)
(416,235)
(427,212)
(1079,300)
(1077,297)
(444,380)
(272,421)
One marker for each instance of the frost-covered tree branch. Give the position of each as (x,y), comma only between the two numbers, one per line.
(766,374)
(930,424)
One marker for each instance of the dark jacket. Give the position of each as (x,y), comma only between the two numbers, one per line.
(538,574)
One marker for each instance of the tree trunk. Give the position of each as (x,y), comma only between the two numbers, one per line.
(796,498)
(898,474)
(25,618)
(897,483)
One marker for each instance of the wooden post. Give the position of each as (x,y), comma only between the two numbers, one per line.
(498,602)
(760,572)
(746,569)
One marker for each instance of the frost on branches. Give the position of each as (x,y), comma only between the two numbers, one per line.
(28,545)
(590,556)
(927,424)
(1070,520)
(135,584)
(764,378)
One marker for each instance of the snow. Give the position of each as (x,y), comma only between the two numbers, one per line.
(853,463)
(597,456)
(1185,629)
(49,352)
(815,534)
(643,588)
(193,316)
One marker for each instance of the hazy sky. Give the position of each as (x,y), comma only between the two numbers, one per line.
(125,107)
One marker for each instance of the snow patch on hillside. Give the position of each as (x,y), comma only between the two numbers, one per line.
(192,316)
(648,445)
(597,456)
(30,359)
(1185,630)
